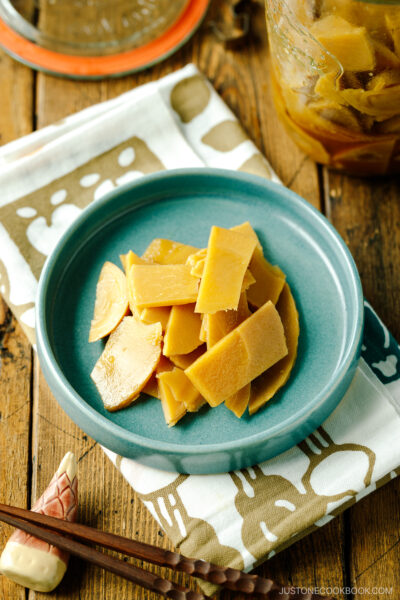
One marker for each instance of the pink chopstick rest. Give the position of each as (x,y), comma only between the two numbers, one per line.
(34,563)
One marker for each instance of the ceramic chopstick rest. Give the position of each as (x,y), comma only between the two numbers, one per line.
(34,563)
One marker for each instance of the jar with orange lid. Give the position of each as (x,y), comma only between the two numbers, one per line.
(336,80)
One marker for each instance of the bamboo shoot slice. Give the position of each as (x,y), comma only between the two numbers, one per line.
(197,263)
(183,390)
(151,387)
(129,259)
(392,19)
(158,314)
(269,281)
(267,384)
(182,331)
(167,252)
(203,328)
(228,256)
(239,357)
(185,360)
(162,285)
(350,44)
(173,410)
(239,401)
(111,303)
(246,229)
(222,322)
(127,362)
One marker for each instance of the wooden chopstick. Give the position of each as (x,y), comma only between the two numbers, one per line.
(144,578)
(226,577)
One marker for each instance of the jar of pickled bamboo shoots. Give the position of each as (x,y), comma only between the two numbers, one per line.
(336,80)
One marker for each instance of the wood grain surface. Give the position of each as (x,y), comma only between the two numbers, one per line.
(359,550)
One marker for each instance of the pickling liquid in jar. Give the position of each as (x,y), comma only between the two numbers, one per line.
(336,80)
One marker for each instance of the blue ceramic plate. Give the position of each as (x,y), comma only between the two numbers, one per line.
(183,205)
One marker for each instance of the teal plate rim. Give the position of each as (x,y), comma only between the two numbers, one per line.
(72,402)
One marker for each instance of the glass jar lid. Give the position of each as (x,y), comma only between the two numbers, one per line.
(96,38)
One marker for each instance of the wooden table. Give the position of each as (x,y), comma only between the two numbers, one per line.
(361,548)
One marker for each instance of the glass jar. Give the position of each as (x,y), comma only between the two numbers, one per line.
(336,80)
(91,27)
(92,39)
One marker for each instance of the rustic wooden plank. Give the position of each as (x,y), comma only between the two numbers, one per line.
(15,405)
(315,562)
(367,214)
(53,435)
(375,544)
(16,85)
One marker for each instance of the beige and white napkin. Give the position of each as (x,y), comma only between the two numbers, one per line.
(238,518)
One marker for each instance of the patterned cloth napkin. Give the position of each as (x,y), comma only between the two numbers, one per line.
(238,518)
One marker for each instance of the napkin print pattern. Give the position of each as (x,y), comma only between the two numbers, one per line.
(243,517)
(190,118)
(32,225)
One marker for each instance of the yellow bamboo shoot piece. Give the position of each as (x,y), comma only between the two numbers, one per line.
(185,360)
(167,252)
(385,79)
(228,256)
(246,229)
(248,280)
(182,332)
(385,58)
(381,104)
(267,384)
(159,314)
(151,387)
(203,328)
(130,259)
(197,270)
(162,285)
(391,125)
(269,281)
(173,410)
(127,362)
(350,44)
(239,357)
(327,116)
(196,262)
(182,389)
(222,322)
(328,88)
(239,401)
(127,261)
(111,303)
(392,19)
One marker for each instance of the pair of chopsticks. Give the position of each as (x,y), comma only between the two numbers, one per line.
(65,535)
